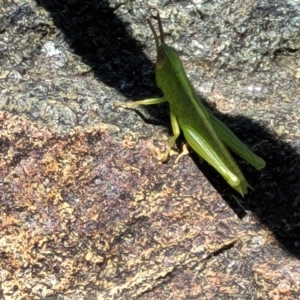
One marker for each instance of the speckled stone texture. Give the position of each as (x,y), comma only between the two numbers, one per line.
(88,211)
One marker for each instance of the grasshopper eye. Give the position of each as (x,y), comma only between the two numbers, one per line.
(161,58)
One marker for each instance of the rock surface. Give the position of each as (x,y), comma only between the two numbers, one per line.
(87,209)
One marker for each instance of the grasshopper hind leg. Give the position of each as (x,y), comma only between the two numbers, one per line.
(229,170)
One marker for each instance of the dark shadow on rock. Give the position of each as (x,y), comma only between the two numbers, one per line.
(95,33)
(100,38)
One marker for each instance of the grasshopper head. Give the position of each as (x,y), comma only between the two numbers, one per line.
(161,55)
(165,54)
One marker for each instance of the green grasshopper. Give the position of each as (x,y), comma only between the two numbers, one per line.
(205,134)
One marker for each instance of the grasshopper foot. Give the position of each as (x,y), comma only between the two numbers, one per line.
(185,151)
